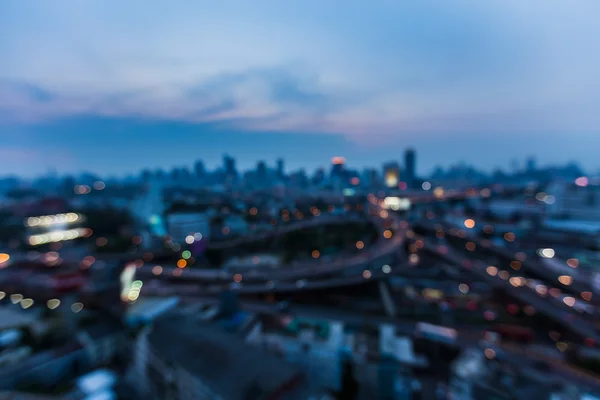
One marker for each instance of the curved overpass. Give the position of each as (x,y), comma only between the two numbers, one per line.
(384,251)
(194,290)
(297,280)
(312,222)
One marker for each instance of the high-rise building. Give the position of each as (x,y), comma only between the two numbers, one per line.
(337,166)
(391,174)
(261,171)
(199,169)
(410,168)
(280,168)
(318,176)
(531,164)
(229,166)
(146,175)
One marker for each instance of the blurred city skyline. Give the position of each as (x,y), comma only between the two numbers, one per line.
(112,88)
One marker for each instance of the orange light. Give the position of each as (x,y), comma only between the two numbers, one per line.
(469,223)
(157,270)
(181,263)
(470,246)
(509,237)
(387,234)
(253,211)
(338,160)
(237,278)
(360,245)
(316,254)
(4,258)
(565,280)
(516,265)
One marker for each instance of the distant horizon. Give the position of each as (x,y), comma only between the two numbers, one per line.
(162,84)
(272,164)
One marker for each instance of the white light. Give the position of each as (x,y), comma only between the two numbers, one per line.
(46,220)
(386,269)
(58,236)
(26,303)
(76,307)
(396,203)
(546,253)
(72,217)
(16,298)
(33,221)
(189,239)
(426,185)
(53,303)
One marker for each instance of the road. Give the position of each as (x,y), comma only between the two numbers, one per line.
(543,304)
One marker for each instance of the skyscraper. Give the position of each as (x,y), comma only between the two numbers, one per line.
(337,166)
(409,167)
(229,167)
(199,169)
(531,164)
(391,174)
(261,171)
(280,168)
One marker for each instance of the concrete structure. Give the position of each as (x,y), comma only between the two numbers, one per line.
(199,361)
(574,202)
(181,225)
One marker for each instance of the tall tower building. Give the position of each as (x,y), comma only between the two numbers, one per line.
(337,166)
(229,167)
(261,171)
(280,168)
(531,164)
(391,174)
(199,169)
(410,167)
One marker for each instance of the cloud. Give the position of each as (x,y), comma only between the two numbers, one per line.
(379,69)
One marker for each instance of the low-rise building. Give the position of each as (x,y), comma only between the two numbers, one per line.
(202,361)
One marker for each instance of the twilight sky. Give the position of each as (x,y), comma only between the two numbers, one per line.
(113,86)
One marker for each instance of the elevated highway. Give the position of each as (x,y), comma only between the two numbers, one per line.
(547,305)
(527,265)
(386,250)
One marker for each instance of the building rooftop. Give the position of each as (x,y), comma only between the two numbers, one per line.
(148,309)
(226,363)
